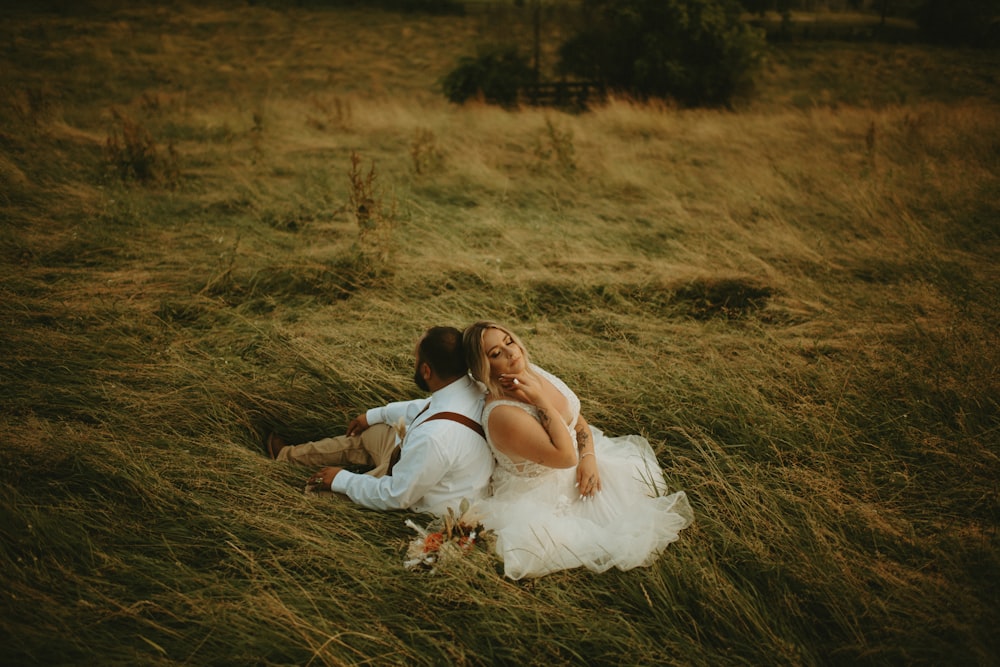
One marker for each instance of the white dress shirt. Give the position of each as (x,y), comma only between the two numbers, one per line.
(441,462)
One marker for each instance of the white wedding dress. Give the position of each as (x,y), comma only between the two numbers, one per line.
(543,525)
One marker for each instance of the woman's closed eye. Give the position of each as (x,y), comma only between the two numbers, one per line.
(495,352)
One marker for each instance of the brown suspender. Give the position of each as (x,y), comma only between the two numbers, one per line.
(461,419)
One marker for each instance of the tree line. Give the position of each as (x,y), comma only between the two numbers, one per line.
(693,52)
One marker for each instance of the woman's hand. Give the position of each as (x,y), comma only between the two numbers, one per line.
(588,479)
(521,386)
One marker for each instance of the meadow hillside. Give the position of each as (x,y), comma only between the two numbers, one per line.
(795,301)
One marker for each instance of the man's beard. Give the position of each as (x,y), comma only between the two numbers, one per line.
(419,379)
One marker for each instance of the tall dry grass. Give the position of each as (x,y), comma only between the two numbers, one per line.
(794,302)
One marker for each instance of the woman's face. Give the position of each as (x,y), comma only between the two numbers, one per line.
(505,356)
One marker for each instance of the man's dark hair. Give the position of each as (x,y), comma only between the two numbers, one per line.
(441,349)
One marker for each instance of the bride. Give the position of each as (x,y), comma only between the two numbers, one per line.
(564,494)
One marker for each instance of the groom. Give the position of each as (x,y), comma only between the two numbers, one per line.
(442,455)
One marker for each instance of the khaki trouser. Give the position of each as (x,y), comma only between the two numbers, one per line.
(374,446)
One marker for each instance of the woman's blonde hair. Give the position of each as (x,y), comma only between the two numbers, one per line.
(475,355)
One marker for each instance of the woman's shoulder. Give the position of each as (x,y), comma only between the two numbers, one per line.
(494,403)
(500,413)
(507,421)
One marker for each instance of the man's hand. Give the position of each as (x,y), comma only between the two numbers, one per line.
(358,425)
(324,478)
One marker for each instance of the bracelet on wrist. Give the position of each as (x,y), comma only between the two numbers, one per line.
(585,455)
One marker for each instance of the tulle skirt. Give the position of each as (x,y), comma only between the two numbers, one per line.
(543,525)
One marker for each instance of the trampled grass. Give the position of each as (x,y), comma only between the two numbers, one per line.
(795,302)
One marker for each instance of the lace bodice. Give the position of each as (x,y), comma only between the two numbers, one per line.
(506,466)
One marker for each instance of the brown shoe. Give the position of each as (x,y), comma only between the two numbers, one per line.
(275,444)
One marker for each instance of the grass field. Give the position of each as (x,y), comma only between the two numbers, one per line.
(795,301)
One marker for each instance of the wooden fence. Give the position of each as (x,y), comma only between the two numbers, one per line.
(562,94)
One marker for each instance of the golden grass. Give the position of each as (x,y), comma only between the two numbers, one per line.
(795,303)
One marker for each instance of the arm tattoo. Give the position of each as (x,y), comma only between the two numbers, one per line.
(582,438)
(543,418)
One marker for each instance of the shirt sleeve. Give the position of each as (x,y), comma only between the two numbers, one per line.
(422,464)
(393,412)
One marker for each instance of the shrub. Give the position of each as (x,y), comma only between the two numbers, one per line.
(131,153)
(427,156)
(375,223)
(556,147)
(130,150)
(495,75)
(698,52)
